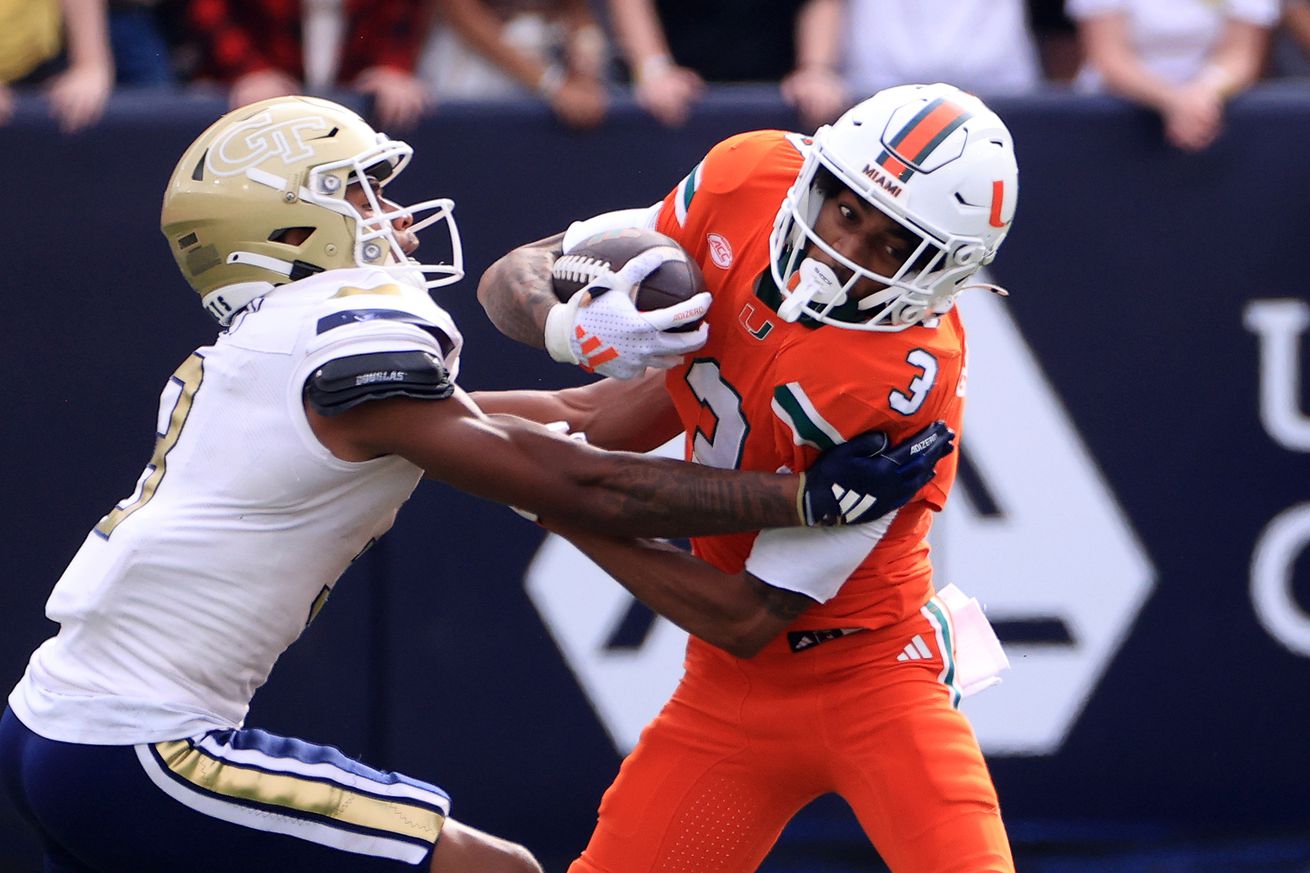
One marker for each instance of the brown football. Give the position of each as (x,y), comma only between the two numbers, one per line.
(672,282)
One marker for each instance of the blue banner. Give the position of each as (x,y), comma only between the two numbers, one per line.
(1133,509)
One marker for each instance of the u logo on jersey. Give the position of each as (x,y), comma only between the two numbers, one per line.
(257,140)
(758,327)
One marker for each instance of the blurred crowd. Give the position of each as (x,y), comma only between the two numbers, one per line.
(1181,58)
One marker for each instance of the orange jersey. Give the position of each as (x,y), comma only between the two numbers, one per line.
(765,394)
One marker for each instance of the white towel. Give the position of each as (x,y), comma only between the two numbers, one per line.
(979,658)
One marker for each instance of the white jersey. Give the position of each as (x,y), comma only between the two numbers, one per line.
(177,605)
(982,46)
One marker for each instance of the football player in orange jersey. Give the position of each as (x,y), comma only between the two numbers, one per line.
(821,660)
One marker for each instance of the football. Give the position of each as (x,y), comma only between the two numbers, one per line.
(672,282)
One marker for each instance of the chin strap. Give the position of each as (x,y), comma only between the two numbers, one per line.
(293,270)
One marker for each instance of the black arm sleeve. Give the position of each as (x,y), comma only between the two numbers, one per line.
(345,383)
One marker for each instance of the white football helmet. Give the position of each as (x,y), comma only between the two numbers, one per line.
(283,164)
(935,160)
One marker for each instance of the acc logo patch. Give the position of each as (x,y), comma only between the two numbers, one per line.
(720,251)
(258,139)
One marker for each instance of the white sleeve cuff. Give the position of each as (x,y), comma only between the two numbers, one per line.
(814,561)
(643,218)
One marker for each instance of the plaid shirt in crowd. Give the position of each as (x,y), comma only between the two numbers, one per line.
(244,36)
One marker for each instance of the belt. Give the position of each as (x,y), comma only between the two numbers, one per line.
(800,641)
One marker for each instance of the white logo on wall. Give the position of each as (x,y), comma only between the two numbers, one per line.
(1059,552)
(1280,324)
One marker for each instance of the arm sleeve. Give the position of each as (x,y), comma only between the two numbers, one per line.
(814,561)
(607,221)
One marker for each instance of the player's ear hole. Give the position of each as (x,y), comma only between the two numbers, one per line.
(292,236)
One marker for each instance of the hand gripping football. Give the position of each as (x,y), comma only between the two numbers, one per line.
(676,279)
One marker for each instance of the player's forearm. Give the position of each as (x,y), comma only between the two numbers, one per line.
(517,462)
(655,497)
(632,415)
(720,608)
(625,494)
(516,291)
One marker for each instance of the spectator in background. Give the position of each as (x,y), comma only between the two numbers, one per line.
(1292,48)
(141,50)
(1182,58)
(273,48)
(673,46)
(61,45)
(1057,39)
(981,46)
(494,49)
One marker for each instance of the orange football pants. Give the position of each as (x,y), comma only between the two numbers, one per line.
(742,746)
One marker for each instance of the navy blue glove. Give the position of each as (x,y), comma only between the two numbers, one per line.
(864,479)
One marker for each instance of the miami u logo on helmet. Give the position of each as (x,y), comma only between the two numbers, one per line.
(258,139)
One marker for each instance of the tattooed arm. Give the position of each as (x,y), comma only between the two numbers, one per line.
(736,612)
(516,290)
(511,460)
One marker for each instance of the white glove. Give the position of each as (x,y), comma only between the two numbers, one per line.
(600,329)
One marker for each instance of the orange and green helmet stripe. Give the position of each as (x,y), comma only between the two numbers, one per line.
(912,144)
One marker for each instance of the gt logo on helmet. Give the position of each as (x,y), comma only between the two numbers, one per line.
(250,144)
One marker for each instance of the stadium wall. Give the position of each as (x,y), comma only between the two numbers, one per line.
(1134,508)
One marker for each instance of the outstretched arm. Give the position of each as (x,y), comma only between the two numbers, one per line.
(734,611)
(635,415)
(511,460)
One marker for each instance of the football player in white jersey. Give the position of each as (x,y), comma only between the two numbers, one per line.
(283,450)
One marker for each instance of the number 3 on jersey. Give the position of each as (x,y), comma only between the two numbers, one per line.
(721,446)
(174,407)
(920,385)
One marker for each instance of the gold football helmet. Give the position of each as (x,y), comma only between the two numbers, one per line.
(284,165)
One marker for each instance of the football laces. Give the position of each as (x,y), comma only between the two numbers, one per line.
(580,269)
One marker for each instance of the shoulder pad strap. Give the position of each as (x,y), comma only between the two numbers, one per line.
(345,383)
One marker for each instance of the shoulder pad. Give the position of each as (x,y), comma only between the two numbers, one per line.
(344,383)
(377,316)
